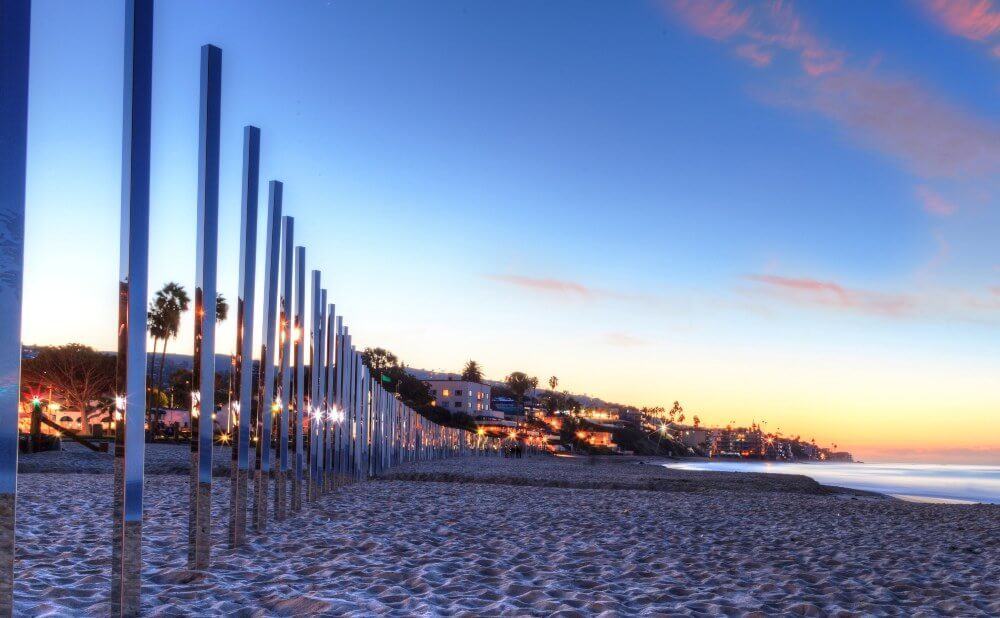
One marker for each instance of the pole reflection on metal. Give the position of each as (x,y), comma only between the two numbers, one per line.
(315,375)
(319,408)
(285,378)
(203,375)
(243,371)
(15,29)
(300,403)
(331,405)
(338,395)
(130,374)
(266,400)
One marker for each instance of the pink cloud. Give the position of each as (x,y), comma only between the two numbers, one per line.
(715,19)
(762,28)
(973,19)
(552,286)
(930,136)
(755,54)
(934,202)
(834,296)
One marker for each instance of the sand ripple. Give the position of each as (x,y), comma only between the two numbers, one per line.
(407,548)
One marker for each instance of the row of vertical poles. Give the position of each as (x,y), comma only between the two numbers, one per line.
(344,427)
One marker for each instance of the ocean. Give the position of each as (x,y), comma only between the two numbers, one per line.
(919,482)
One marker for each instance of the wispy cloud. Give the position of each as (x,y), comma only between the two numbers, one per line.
(934,202)
(755,54)
(926,134)
(557,287)
(566,289)
(979,306)
(757,30)
(978,20)
(715,19)
(929,136)
(834,295)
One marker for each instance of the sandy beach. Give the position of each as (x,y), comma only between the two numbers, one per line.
(535,536)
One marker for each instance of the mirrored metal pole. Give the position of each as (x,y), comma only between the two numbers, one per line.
(315,382)
(203,375)
(359,416)
(344,390)
(15,29)
(130,375)
(288,339)
(321,413)
(339,398)
(268,346)
(243,370)
(300,402)
(331,405)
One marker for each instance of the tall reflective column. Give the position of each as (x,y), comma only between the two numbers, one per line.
(266,405)
(243,371)
(15,28)
(300,385)
(203,373)
(130,375)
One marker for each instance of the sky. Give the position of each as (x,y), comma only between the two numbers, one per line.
(772,211)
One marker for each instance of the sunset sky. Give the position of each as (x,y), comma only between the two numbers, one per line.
(771,211)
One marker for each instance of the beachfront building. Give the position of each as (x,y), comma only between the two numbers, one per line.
(600,439)
(472,398)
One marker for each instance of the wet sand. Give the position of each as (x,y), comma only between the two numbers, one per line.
(526,537)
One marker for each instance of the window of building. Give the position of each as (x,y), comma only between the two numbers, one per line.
(458,404)
(458,393)
(434,392)
(445,393)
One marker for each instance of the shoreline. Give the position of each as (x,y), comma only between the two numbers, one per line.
(529,536)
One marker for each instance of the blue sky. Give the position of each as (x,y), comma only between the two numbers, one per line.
(764,210)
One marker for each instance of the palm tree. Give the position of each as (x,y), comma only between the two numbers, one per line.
(221,308)
(520,383)
(472,372)
(156,323)
(553,382)
(170,302)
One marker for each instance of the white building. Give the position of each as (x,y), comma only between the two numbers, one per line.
(471,398)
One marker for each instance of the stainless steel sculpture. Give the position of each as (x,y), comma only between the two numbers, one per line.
(203,374)
(242,404)
(285,380)
(331,406)
(266,404)
(315,376)
(300,402)
(15,29)
(130,376)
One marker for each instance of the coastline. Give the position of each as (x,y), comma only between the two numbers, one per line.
(528,536)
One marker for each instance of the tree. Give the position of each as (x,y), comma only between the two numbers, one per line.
(697,421)
(472,372)
(221,308)
(553,382)
(77,374)
(674,411)
(520,383)
(381,362)
(378,360)
(168,304)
